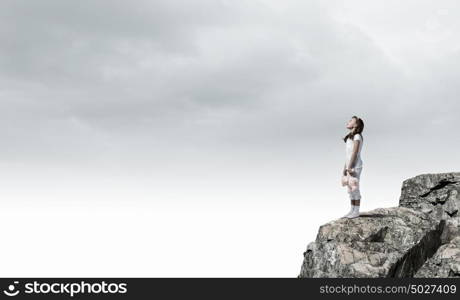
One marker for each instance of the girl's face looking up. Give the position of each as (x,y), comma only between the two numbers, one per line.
(351,123)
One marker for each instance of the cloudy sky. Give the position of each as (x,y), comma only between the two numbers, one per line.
(203,138)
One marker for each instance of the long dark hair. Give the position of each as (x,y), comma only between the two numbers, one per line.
(358,130)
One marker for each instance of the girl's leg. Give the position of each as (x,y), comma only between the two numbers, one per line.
(355,197)
(358,198)
(352,207)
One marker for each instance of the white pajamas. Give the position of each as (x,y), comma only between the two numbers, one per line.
(358,166)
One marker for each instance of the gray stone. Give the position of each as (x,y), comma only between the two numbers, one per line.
(444,263)
(419,238)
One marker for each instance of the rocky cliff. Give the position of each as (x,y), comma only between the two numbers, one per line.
(418,238)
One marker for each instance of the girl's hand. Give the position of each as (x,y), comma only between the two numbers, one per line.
(350,171)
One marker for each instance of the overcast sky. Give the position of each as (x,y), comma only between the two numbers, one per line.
(213,128)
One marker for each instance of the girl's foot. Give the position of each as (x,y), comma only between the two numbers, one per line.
(351,210)
(354,213)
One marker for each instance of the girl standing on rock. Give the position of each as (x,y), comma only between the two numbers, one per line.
(353,164)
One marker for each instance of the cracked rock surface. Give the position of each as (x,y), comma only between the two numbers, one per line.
(419,238)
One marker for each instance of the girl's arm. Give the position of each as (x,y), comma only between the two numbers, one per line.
(354,154)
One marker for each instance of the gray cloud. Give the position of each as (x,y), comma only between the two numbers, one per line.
(94,76)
